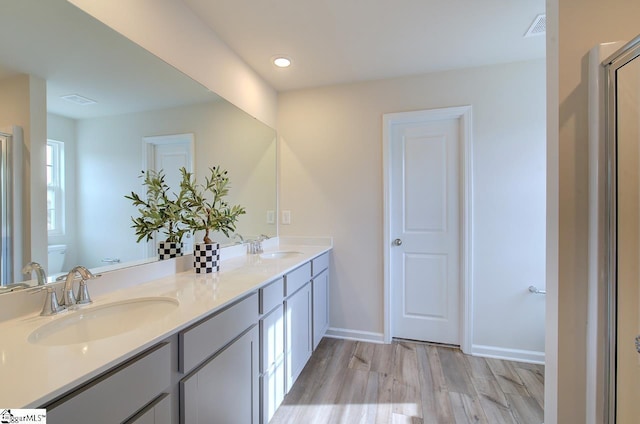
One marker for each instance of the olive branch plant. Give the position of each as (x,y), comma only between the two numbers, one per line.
(204,206)
(157,211)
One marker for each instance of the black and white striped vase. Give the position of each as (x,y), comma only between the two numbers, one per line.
(206,257)
(168,250)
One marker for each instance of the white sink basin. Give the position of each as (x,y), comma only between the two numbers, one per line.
(279,255)
(102,321)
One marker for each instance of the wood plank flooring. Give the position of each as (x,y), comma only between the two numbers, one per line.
(406,382)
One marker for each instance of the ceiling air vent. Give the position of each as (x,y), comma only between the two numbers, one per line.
(538,27)
(78,99)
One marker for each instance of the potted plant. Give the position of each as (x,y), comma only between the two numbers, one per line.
(206,210)
(159,213)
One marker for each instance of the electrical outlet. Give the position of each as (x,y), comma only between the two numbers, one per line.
(271,217)
(286,217)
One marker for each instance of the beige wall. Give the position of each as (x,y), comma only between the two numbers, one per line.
(331,180)
(14,110)
(14,104)
(24,104)
(581,25)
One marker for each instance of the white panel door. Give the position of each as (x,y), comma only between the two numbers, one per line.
(424,223)
(169,153)
(170,158)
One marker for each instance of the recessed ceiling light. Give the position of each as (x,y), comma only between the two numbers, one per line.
(282,61)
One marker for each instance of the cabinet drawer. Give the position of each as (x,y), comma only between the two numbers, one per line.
(271,295)
(158,412)
(207,337)
(118,394)
(297,278)
(319,264)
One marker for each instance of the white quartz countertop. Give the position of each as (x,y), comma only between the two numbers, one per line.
(33,375)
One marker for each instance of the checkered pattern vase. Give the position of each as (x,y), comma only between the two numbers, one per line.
(206,257)
(168,250)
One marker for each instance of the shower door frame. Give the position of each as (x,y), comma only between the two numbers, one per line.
(612,64)
(6,209)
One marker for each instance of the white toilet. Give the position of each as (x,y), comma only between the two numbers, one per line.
(56,254)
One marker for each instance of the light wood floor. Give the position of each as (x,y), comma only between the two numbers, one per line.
(405,382)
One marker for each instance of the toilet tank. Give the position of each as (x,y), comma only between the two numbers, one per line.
(56,254)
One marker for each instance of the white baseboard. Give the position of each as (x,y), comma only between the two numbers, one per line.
(361,336)
(530,356)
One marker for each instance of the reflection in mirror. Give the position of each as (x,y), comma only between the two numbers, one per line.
(113,110)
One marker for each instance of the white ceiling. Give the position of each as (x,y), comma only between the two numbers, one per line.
(330,42)
(76,54)
(341,41)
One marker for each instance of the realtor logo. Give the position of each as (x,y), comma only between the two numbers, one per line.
(10,416)
(6,416)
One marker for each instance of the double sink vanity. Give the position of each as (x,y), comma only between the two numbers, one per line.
(185,347)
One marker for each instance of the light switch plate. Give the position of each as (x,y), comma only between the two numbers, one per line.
(286,217)
(271,217)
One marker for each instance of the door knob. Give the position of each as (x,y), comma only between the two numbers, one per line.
(397,242)
(638,343)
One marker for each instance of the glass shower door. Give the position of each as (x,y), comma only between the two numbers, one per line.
(6,242)
(623,235)
(628,242)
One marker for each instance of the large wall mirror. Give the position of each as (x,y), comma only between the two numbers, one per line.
(95,110)
(623,208)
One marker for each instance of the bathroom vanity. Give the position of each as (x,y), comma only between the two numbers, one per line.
(228,350)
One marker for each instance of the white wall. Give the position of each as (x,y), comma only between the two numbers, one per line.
(331,180)
(581,24)
(171,31)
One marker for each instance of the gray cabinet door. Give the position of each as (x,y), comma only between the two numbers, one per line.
(272,380)
(298,340)
(320,306)
(226,388)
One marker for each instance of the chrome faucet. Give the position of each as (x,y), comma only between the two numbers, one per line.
(51,304)
(255,246)
(68,298)
(35,266)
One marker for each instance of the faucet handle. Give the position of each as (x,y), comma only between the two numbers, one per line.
(83,297)
(51,305)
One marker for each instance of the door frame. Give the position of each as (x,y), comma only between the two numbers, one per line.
(149,144)
(463,114)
